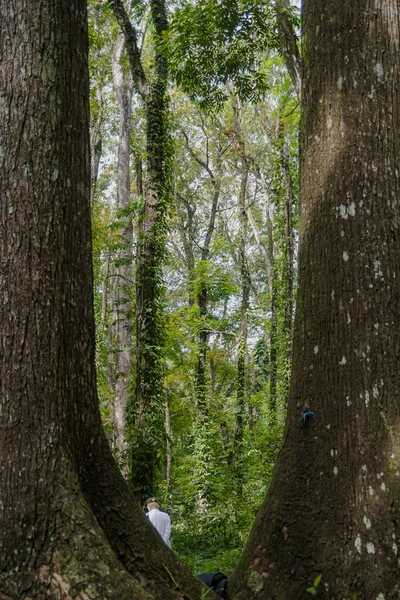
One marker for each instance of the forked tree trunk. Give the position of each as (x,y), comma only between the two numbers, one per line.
(69,526)
(333,507)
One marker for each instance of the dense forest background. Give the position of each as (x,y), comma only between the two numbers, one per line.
(228,271)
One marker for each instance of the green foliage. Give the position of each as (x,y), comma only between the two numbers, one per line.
(313,590)
(209,537)
(212,511)
(232,50)
(217,281)
(240,35)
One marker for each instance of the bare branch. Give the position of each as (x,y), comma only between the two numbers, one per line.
(199,160)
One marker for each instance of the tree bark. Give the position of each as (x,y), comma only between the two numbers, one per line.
(69,525)
(273,324)
(289,247)
(168,434)
(96,141)
(111,343)
(124,277)
(245,281)
(333,505)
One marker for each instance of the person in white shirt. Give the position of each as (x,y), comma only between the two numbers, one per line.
(160,520)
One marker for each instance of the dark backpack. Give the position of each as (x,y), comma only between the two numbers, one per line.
(216,581)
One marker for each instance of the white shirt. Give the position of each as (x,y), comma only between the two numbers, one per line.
(162,522)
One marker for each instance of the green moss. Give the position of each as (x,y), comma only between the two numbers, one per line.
(255,582)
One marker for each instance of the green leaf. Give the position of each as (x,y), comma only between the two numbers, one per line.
(317,581)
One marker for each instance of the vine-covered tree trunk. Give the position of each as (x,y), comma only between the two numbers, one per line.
(68,524)
(202,295)
(147,411)
(201,384)
(333,507)
(123,278)
(149,327)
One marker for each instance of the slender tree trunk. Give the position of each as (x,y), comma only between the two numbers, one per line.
(104,294)
(186,214)
(333,507)
(123,297)
(96,141)
(96,120)
(139,174)
(149,390)
(111,346)
(289,246)
(201,384)
(245,280)
(213,376)
(168,434)
(148,409)
(69,525)
(288,43)
(273,325)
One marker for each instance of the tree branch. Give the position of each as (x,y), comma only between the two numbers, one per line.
(123,20)
(288,40)
(199,161)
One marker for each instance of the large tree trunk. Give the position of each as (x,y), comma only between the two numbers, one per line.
(333,507)
(124,279)
(68,523)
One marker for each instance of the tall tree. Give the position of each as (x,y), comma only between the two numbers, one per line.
(214,176)
(198,284)
(245,285)
(123,276)
(333,507)
(147,412)
(68,522)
